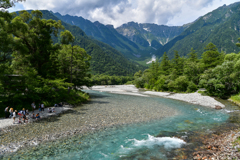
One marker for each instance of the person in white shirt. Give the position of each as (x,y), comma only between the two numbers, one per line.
(33,106)
(14,116)
(42,107)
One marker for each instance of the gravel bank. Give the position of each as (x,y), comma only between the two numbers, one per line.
(220,147)
(100,112)
(9,121)
(194,98)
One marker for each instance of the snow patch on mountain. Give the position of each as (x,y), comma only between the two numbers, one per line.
(146,29)
(154,58)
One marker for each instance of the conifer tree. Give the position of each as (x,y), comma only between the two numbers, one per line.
(178,63)
(165,64)
(211,57)
(192,56)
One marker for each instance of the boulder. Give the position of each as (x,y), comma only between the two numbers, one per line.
(218,107)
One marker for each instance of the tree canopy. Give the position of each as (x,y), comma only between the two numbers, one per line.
(216,72)
(33,67)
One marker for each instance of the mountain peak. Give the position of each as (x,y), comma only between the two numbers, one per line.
(109,26)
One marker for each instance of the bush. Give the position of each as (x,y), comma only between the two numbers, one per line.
(171,86)
(139,82)
(181,83)
(146,85)
(191,87)
(159,85)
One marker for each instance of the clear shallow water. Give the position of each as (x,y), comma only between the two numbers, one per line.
(135,141)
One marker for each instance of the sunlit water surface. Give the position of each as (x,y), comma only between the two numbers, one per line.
(150,140)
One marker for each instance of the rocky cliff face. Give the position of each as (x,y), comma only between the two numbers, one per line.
(150,34)
(132,48)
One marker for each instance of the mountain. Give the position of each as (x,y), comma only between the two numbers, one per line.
(108,35)
(221,27)
(147,34)
(105,59)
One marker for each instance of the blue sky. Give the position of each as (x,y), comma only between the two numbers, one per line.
(117,12)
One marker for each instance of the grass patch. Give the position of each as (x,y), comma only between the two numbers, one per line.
(235,98)
(203,93)
(129,83)
(237,142)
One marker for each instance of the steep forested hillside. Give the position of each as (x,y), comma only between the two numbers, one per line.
(108,35)
(105,59)
(221,27)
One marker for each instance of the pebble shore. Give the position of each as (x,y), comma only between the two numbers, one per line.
(97,114)
(220,147)
(194,98)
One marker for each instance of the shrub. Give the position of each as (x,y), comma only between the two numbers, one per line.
(181,83)
(191,87)
(139,82)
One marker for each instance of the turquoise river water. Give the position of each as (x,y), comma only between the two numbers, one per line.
(150,140)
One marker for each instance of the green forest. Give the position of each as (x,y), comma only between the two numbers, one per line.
(217,72)
(42,61)
(34,68)
(105,59)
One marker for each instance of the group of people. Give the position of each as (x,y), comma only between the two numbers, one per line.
(40,107)
(10,113)
(22,114)
(37,116)
(58,104)
(51,110)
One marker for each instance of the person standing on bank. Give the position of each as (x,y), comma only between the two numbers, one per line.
(33,106)
(42,107)
(14,116)
(6,112)
(11,112)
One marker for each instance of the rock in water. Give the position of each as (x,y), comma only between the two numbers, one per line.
(218,107)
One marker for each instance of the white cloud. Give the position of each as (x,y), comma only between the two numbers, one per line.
(117,12)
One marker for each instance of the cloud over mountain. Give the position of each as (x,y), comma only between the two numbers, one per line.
(117,12)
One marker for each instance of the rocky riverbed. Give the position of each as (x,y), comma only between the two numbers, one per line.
(99,113)
(220,147)
(194,98)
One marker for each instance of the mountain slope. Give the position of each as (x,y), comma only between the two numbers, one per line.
(108,35)
(150,34)
(105,59)
(221,27)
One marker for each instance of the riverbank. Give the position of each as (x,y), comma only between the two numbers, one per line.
(7,125)
(8,122)
(193,98)
(101,112)
(235,99)
(223,146)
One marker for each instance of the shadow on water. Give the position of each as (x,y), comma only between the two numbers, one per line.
(98,102)
(97,95)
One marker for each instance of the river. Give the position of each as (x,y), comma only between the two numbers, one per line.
(175,133)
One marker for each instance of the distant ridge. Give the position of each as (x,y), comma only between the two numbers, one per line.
(221,27)
(105,59)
